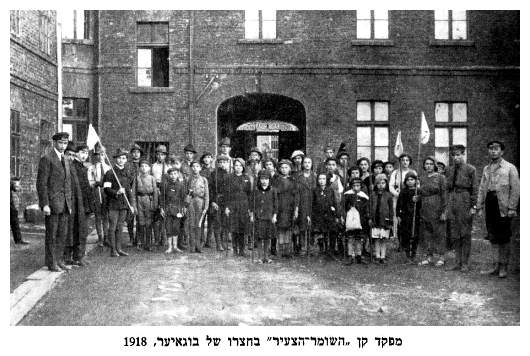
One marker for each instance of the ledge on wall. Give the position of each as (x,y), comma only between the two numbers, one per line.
(455,43)
(262,41)
(143,90)
(372,42)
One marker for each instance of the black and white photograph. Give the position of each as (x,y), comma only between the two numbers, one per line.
(265,167)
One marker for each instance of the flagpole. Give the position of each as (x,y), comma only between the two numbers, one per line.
(416,188)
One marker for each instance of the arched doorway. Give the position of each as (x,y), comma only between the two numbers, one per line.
(268,121)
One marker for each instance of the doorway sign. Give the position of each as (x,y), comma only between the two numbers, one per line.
(267,126)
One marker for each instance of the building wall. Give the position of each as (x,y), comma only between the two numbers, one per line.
(317,62)
(33,92)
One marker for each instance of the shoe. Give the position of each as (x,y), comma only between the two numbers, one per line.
(63,266)
(206,245)
(122,253)
(198,250)
(81,263)
(268,260)
(465,268)
(55,268)
(21,242)
(503,271)
(492,272)
(382,261)
(69,262)
(220,249)
(114,254)
(260,261)
(358,260)
(423,263)
(440,263)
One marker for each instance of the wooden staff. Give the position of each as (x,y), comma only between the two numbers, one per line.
(415,194)
(117,180)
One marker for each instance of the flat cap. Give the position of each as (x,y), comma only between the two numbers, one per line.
(264,174)
(136,147)
(189,148)
(285,161)
(205,154)
(459,148)
(256,149)
(144,161)
(161,149)
(70,147)
(225,142)
(496,142)
(81,148)
(120,152)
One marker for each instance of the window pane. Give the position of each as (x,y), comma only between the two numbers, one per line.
(364,15)
(251,24)
(459,30)
(460,136)
(160,67)
(68,107)
(441,112)
(380,14)
(144,77)
(442,155)
(381,136)
(144,32)
(269,29)
(381,153)
(160,33)
(363,151)
(441,30)
(66,18)
(81,107)
(144,58)
(460,112)
(268,15)
(459,15)
(441,14)
(364,136)
(81,132)
(68,128)
(80,23)
(363,29)
(363,111)
(381,29)
(441,137)
(381,111)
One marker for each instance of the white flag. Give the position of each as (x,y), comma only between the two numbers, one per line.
(425,134)
(398,148)
(92,137)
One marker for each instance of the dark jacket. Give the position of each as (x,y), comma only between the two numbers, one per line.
(86,191)
(173,197)
(466,180)
(264,203)
(382,217)
(324,209)
(54,186)
(117,202)
(218,186)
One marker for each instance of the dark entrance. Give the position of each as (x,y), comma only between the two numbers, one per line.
(274,121)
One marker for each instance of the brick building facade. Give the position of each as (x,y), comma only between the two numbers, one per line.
(33,93)
(195,76)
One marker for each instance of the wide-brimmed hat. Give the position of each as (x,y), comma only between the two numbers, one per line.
(136,147)
(297,153)
(224,142)
(256,149)
(120,152)
(161,149)
(189,148)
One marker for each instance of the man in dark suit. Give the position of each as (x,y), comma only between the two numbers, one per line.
(55,199)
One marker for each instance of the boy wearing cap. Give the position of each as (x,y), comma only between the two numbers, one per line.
(146,195)
(206,164)
(336,186)
(237,206)
(173,207)
(133,165)
(118,185)
(329,152)
(198,201)
(462,190)
(54,189)
(219,184)
(263,212)
(96,174)
(158,170)
(224,149)
(498,195)
(189,156)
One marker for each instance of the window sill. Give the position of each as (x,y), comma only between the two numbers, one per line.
(262,41)
(372,42)
(454,43)
(78,41)
(154,90)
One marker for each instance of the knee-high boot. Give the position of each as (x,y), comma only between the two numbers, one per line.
(140,236)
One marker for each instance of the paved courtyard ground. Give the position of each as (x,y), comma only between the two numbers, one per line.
(212,289)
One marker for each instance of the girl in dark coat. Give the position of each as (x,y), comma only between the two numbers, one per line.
(323,212)
(288,199)
(238,206)
(405,214)
(306,182)
(382,213)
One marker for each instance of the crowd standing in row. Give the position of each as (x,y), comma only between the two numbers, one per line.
(350,211)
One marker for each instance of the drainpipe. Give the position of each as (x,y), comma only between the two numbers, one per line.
(99,71)
(191,94)
(59,75)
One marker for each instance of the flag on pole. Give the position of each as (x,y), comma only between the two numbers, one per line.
(398,148)
(425,134)
(92,137)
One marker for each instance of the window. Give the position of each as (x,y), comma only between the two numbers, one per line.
(75,118)
(372,130)
(450,25)
(74,23)
(260,24)
(149,147)
(14,16)
(45,32)
(451,128)
(15,143)
(372,24)
(153,54)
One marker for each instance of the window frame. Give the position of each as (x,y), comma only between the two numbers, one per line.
(15,137)
(450,125)
(150,46)
(450,35)
(373,124)
(77,121)
(372,27)
(260,22)
(45,32)
(14,19)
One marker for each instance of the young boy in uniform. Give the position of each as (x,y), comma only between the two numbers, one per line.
(263,212)
(146,202)
(173,208)
(198,200)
